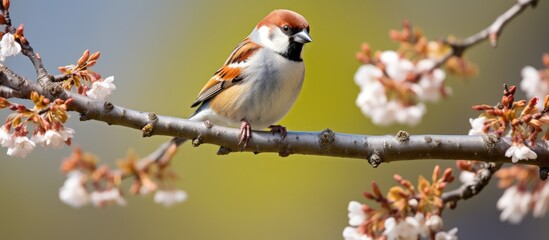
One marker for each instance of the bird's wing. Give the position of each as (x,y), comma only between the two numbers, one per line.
(230,73)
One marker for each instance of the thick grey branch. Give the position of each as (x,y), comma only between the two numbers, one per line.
(375,149)
(7,92)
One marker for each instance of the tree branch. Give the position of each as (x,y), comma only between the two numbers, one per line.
(376,149)
(26,48)
(469,190)
(492,32)
(7,92)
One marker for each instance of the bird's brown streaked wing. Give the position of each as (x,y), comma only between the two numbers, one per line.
(229,74)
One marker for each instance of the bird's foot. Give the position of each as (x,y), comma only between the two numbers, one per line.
(279,129)
(245,134)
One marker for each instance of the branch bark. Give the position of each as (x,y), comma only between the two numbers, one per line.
(375,149)
(469,190)
(492,32)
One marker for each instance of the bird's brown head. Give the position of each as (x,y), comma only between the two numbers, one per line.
(285,32)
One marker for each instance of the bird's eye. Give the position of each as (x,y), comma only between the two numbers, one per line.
(286,28)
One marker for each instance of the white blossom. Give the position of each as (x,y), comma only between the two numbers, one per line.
(477,125)
(396,67)
(6,139)
(169,198)
(8,46)
(514,205)
(100,198)
(22,146)
(467,177)
(420,224)
(373,100)
(144,190)
(374,103)
(434,223)
(519,152)
(430,85)
(73,192)
(367,74)
(356,214)
(533,85)
(53,138)
(66,133)
(352,233)
(541,203)
(409,229)
(450,235)
(413,202)
(409,115)
(101,89)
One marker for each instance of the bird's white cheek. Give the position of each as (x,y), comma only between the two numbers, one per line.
(273,39)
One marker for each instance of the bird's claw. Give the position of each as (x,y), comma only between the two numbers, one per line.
(245,134)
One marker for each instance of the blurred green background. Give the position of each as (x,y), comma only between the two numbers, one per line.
(162,52)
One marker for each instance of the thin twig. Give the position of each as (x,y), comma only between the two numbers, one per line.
(41,71)
(469,190)
(60,77)
(492,32)
(26,49)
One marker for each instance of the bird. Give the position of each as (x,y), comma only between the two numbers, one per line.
(260,80)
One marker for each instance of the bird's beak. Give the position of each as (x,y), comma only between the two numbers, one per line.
(302,37)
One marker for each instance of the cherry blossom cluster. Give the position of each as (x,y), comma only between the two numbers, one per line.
(524,192)
(43,123)
(87,183)
(406,212)
(535,83)
(86,81)
(522,121)
(396,84)
(9,45)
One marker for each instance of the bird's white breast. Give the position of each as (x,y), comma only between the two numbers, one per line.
(269,88)
(275,83)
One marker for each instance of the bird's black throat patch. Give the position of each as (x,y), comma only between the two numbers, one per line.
(294,51)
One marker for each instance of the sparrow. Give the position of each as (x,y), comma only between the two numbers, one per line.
(260,80)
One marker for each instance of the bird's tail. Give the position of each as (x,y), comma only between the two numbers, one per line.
(166,151)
